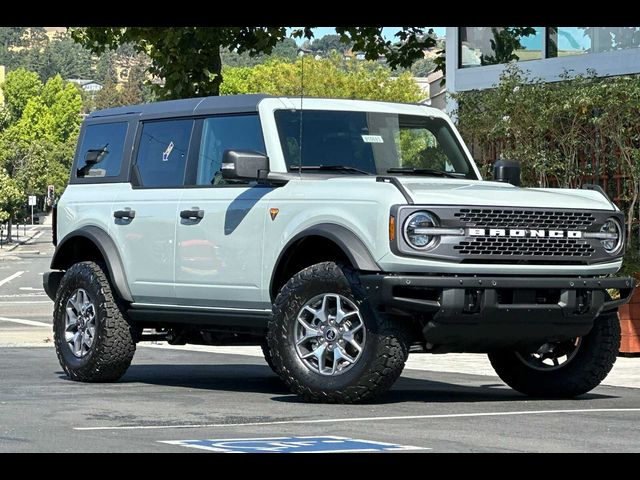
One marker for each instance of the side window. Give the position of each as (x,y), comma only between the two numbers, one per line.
(100,154)
(162,152)
(233,132)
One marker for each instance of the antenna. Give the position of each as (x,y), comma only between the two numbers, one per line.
(301,52)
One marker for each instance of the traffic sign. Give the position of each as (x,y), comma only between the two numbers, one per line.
(32,200)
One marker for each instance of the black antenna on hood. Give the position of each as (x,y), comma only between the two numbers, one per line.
(301,53)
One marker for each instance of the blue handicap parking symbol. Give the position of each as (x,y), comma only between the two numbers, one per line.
(318,444)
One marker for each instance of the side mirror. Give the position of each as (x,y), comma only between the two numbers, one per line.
(507,171)
(95,156)
(244,165)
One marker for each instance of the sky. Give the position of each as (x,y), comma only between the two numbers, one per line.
(387,32)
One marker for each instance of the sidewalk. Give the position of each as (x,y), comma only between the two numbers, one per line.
(22,238)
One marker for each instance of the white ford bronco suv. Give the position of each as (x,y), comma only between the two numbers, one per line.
(339,236)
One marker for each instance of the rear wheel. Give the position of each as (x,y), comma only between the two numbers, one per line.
(327,343)
(93,340)
(563,369)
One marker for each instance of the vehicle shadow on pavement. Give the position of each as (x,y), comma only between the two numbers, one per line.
(228,377)
(260,379)
(435,391)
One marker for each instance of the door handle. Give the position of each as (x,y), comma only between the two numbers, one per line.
(128,214)
(194,214)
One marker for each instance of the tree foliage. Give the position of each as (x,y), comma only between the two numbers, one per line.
(328,44)
(330,77)
(188,59)
(36,149)
(19,87)
(11,196)
(287,50)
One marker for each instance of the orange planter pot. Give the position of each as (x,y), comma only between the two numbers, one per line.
(630,325)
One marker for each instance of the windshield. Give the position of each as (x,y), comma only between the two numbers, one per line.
(371,142)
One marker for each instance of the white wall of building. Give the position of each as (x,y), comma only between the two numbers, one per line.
(618,62)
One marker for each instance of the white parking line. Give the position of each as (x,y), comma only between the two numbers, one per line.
(363,419)
(33,323)
(10,277)
(10,302)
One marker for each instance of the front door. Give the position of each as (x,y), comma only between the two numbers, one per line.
(146,212)
(219,237)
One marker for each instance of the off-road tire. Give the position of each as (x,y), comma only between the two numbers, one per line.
(381,361)
(114,343)
(593,361)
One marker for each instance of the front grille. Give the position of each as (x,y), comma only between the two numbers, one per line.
(512,218)
(546,239)
(520,247)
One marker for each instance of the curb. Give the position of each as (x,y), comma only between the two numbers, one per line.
(17,244)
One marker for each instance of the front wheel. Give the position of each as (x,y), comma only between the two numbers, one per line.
(563,369)
(327,343)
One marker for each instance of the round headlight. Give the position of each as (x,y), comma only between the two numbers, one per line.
(614,236)
(412,227)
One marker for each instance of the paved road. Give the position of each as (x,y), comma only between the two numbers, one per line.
(22,296)
(176,395)
(180,395)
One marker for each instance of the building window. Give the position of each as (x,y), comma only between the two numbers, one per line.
(494,45)
(565,41)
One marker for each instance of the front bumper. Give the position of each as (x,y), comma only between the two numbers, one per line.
(481,313)
(51,282)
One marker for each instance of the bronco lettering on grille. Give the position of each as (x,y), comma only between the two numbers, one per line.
(523,232)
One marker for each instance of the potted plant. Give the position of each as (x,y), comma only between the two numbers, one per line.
(630,313)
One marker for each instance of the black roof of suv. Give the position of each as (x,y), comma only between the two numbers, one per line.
(187,106)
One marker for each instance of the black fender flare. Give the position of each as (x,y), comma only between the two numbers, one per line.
(355,250)
(109,252)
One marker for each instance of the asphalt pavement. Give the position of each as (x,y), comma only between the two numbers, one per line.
(201,399)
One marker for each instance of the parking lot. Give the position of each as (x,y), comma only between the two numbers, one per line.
(175,394)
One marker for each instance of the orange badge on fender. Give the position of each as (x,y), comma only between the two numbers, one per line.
(274,213)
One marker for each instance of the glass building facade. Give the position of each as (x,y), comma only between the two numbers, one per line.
(480,46)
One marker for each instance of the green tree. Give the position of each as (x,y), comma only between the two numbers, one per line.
(328,44)
(423,67)
(106,68)
(19,87)
(12,198)
(133,90)
(36,150)
(189,61)
(11,37)
(65,57)
(108,97)
(328,77)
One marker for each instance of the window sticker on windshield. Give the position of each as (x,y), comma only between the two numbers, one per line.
(372,139)
(167,152)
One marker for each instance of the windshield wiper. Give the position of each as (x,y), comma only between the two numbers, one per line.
(425,171)
(344,168)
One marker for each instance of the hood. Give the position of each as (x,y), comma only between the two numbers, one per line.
(451,191)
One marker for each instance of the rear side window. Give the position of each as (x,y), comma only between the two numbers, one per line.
(162,152)
(101,150)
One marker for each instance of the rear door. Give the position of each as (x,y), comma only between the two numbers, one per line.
(145,212)
(219,251)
